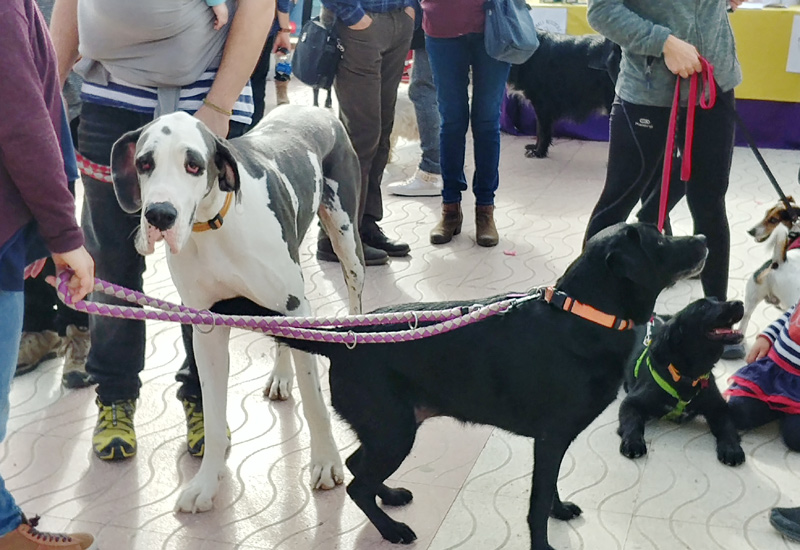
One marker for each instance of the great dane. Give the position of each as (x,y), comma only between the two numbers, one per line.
(233,215)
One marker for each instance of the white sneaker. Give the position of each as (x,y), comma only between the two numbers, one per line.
(422,184)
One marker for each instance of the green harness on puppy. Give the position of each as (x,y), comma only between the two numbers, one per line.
(698,384)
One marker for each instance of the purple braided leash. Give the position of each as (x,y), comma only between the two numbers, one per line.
(319,329)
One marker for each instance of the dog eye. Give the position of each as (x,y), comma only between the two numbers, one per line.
(773,220)
(144,165)
(193,168)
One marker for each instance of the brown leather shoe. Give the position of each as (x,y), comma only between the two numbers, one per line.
(449,225)
(485,230)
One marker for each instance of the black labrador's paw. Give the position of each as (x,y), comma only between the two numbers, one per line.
(397,533)
(633,447)
(396,497)
(532,151)
(730,453)
(565,511)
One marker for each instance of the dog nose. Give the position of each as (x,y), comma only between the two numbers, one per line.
(161,215)
(752,231)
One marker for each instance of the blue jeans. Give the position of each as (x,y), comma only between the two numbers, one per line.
(422,94)
(11,309)
(451,60)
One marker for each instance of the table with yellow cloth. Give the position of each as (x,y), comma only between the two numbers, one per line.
(768,98)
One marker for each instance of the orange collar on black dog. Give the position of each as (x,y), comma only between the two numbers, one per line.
(563,301)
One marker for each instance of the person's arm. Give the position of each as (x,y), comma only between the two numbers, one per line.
(614,20)
(246,38)
(283,38)
(64,34)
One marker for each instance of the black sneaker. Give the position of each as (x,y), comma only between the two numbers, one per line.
(372,256)
(787,522)
(733,351)
(372,235)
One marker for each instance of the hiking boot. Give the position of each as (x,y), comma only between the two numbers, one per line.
(282,91)
(114,436)
(421,184)
(787,522)
(373,236)
(28,537)
(75,348)
(449,225)
(35,348)
(195,427)
(372,256)
(485,230)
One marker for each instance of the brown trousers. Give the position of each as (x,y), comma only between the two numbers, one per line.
(366,86)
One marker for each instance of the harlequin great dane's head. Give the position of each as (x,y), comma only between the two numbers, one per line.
(166,169)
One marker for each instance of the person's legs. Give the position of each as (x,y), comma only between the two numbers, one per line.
(40,340)
(790,431)
(258,81)
(635,154)
(705,191)
(749,413)
(11,311)
(787,522)
(427,181)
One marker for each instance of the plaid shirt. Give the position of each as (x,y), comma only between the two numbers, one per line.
(350,12)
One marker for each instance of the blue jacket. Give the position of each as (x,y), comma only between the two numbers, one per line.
(350,12)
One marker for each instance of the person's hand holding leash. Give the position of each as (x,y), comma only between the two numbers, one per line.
(759,350)
(681,58)
(33,270)
(80,262)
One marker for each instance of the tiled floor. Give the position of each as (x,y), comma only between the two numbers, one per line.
(471,484)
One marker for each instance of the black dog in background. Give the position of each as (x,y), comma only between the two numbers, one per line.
(541,370)
(568,77)
(671,377)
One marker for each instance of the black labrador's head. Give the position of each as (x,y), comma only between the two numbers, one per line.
(174,170)
(693,340)
(631,264)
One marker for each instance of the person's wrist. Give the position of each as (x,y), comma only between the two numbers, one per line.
(217,108)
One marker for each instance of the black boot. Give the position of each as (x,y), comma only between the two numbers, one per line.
(372,256)
(373,236)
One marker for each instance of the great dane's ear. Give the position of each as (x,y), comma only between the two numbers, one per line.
(228,167)
(123,172)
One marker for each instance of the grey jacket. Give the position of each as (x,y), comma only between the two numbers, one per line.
(641,27)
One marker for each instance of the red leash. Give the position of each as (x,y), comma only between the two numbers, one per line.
(710,90)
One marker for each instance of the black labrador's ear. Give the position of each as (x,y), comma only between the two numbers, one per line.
(227,166)
(629,260)
(124,174)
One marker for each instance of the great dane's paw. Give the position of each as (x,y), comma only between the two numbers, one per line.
(197,496)
(279,388)
(326,473)
(398,533)
(633,447)
(565,511)
(731,454)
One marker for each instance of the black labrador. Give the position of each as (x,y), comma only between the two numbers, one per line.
(546,368)
(568,77)
(671,377)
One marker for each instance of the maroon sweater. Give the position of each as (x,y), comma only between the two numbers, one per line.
(33,185)
(452,18)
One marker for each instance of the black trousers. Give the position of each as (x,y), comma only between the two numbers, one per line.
(258,81)
(635,161)
(118,345)
(43,309)
(749,413)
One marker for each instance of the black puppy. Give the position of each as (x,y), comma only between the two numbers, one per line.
(672,378)
(545,369)
(568,77)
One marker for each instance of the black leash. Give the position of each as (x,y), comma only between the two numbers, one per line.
(793,212)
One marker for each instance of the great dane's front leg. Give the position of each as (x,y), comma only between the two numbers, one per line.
(279,383)
(211,352)
(326,463)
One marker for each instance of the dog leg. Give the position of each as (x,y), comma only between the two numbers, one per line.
(631,429)
(564,511)
(388,495)
(348,248)
(316,96)
(715,409)
(544,137)
(279,383)
(211,351)
(547,457)
(326,463)
(328,99)
(754,293)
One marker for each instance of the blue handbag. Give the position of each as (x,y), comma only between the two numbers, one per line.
(510,33)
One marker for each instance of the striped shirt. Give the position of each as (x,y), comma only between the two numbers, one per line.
(143,99)
(784,334)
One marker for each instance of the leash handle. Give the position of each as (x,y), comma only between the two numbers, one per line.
(709,89)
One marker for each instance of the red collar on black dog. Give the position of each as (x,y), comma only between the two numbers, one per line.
(563,301)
